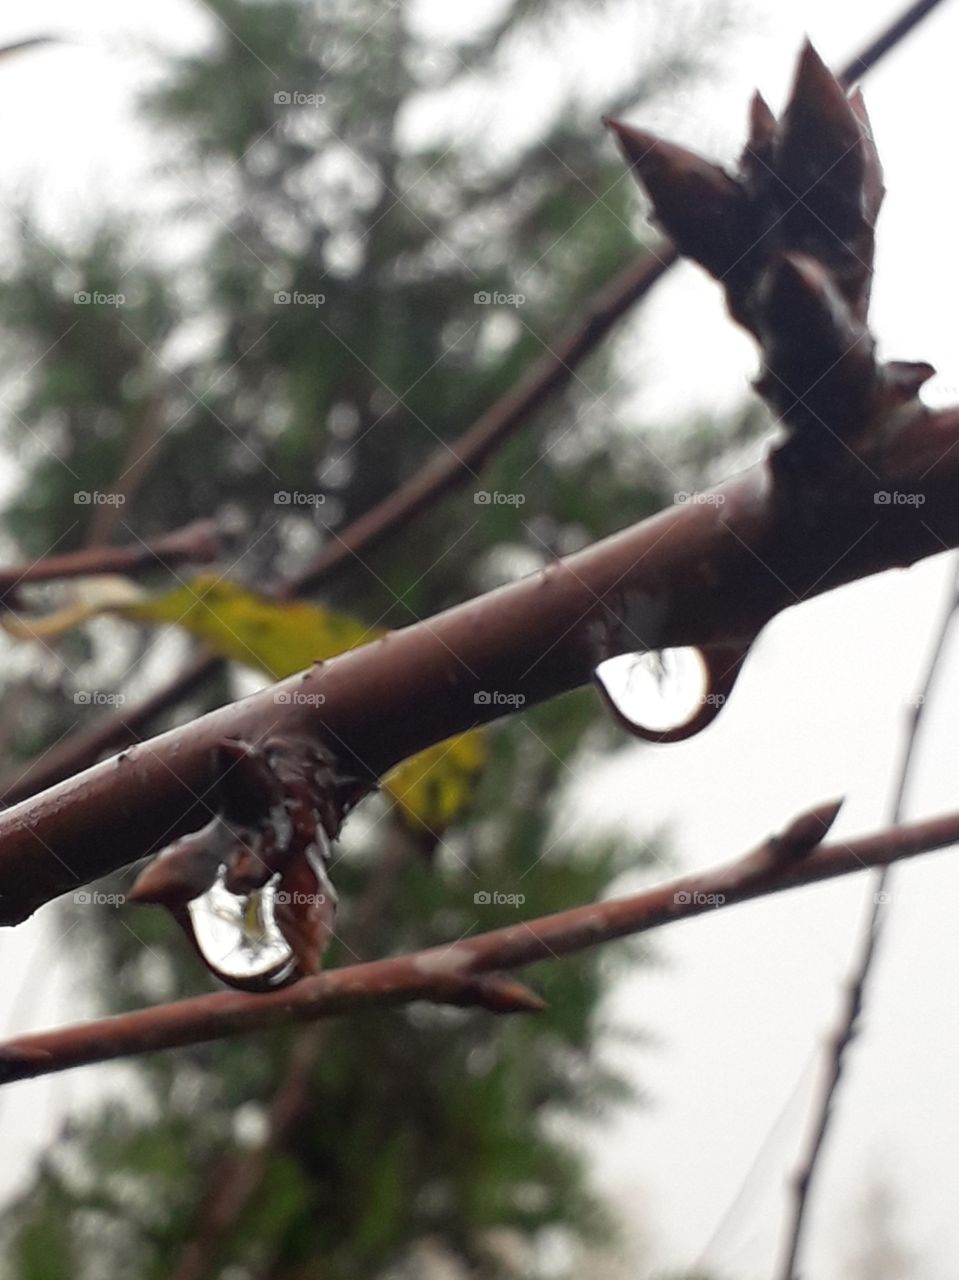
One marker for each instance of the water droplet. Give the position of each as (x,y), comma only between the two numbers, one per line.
(667,695)
(658,690)
(238,937)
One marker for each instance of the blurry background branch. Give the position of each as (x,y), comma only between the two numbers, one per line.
(196,543)
(856,985)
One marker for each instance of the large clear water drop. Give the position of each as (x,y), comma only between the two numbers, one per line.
(658,692)
(238,937)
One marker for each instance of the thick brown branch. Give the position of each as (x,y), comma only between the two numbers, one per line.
(447,974)
(703,573)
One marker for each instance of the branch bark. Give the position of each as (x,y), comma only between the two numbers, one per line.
(704,573)
(449,974)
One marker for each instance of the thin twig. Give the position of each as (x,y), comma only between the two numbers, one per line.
(867,58)
(458,462)
(862,967)
(194,543)
(138,458)
(460,972)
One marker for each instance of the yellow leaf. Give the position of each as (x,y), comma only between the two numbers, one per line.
(274,636)
(432,788)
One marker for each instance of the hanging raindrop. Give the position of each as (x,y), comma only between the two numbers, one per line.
(238,937)
(658,690)
(667,695)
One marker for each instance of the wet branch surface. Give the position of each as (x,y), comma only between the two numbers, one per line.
(469,972)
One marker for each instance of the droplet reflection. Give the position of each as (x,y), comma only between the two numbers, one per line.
(237,935)
(656,692)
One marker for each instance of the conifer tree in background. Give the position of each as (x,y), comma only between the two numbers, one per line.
(324,329)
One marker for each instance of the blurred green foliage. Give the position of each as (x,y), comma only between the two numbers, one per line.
(426,1137)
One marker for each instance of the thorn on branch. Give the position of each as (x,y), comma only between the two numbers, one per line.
(500,994)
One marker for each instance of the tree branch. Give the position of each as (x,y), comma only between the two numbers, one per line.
(194,543)
(704,573)
(449,974)
(458,462)
(900,27)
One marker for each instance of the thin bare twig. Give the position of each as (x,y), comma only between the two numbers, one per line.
(194,543)
(456,463)
(861,970)
(867,58)
(460,973)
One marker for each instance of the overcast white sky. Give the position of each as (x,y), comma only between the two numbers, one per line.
(744,998)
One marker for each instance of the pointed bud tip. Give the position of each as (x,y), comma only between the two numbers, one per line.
(818,101)
(808,831)
(503,995)
(762,122)
(635,143)
(811,64)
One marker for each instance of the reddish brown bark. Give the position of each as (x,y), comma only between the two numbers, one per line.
(450,973)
